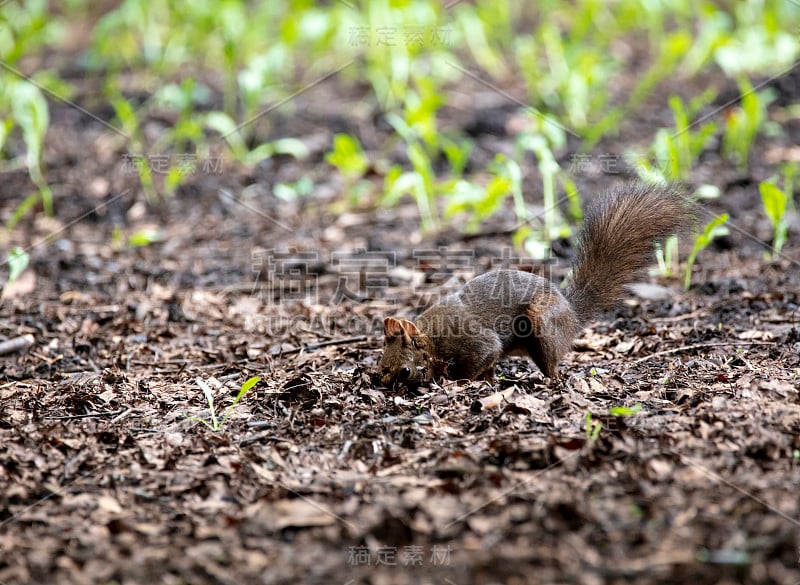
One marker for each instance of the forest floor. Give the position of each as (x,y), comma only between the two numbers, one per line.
(320,476)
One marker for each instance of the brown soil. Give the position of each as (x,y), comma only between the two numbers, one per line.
(318,476)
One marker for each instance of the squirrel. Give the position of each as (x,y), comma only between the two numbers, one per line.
(508,311)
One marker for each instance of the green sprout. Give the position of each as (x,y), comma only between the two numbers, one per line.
(676,150)
(129,120)
(18,260)
(144,237)
(553,225)
(420,183)
(348,157)
(625,411)
(716,227)
(303,187)
(591,428)
(744,122)
(235,137)
(775,203)
(216,424)
(30,113)
(479,202)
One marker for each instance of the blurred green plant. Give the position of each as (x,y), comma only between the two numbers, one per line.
(303,187)
(744,122)
(625,411)
(479,202)
(216,65)
(18,260)
(536,233)
(675,151)
(591,428)
(714,228)
(776,202)
(763,41)
(29,112)
(349,159)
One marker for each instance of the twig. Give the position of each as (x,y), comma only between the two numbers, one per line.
(16,343)
(263,435)
(122,416)
(87,415)
(697,346)
(321,344)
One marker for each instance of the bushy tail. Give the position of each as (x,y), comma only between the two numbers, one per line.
(616,242)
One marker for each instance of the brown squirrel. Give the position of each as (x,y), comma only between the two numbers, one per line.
(505,311)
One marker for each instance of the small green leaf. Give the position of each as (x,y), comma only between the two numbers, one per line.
(348,157)
(143,237)
(712,229)
(209,394)
(19,212)
(249,384)
(18,261)
(625,410)
(774,201)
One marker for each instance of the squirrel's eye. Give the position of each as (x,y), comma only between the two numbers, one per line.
(403,373)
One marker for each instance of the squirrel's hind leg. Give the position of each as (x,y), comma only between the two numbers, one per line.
(553,328)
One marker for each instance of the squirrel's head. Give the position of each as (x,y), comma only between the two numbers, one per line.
(406,356)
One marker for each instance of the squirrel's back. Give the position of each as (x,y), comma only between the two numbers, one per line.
(616,242)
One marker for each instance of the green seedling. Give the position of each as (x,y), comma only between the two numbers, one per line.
(144,237)
(763,42)
(419,111)
(714,228)
(480,203)
(744,122)
(670,49)
(129,120)
(775,203)
(418,122)
(713,33)
(138,239)
(18,260)
(591,428)
(509,168)
(303,187)
(25,28)
(677,150)
(232,134)
(186,137)
(187,133)
(479,27)
(667,255)
(625,411)
(553,225)
(215,424)
(425,192)
(457,153)
(393,60)
(30,113)
(348,157)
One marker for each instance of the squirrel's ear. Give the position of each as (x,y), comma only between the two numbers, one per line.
(409,327)
(393,327)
